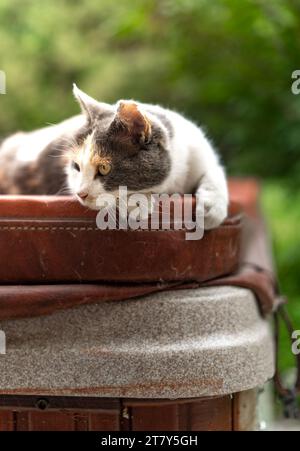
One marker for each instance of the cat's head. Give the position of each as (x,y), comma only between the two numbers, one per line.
(120,145)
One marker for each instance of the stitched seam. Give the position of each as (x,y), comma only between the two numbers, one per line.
(46,228)
(77,229)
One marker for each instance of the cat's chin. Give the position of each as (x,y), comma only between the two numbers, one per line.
(91,204)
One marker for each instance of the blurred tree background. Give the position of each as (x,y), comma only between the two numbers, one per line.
(226,64)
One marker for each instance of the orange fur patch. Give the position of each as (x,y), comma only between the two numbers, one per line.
(94,157)
(133,118)
(96,160)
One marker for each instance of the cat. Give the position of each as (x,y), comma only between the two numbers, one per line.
(147,148)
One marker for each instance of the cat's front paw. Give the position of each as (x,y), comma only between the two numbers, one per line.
(215,208)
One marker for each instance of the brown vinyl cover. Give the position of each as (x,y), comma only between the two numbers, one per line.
(53,256)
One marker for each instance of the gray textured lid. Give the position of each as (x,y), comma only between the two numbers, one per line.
(184,343)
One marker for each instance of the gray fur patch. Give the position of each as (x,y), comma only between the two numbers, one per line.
(135,165)
(51,168)
(165,121)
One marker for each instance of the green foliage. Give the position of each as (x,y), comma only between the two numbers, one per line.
(225,63)
(282,207)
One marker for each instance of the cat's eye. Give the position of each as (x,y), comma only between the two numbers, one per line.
(104,168)
(75,166)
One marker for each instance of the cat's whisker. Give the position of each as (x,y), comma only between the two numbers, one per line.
(68,141)
(65,146)
(57,156)
(65,189)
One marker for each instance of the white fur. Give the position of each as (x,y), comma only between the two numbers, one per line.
(29,145)
(85,181)
(194,162)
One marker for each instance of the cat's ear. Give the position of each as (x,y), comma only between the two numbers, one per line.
(89,106)
(132,123)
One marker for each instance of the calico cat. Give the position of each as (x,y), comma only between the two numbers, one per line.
(144,147)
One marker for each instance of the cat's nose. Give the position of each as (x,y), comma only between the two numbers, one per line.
(82,194)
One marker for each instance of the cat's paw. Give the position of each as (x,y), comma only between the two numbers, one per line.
(215,208)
